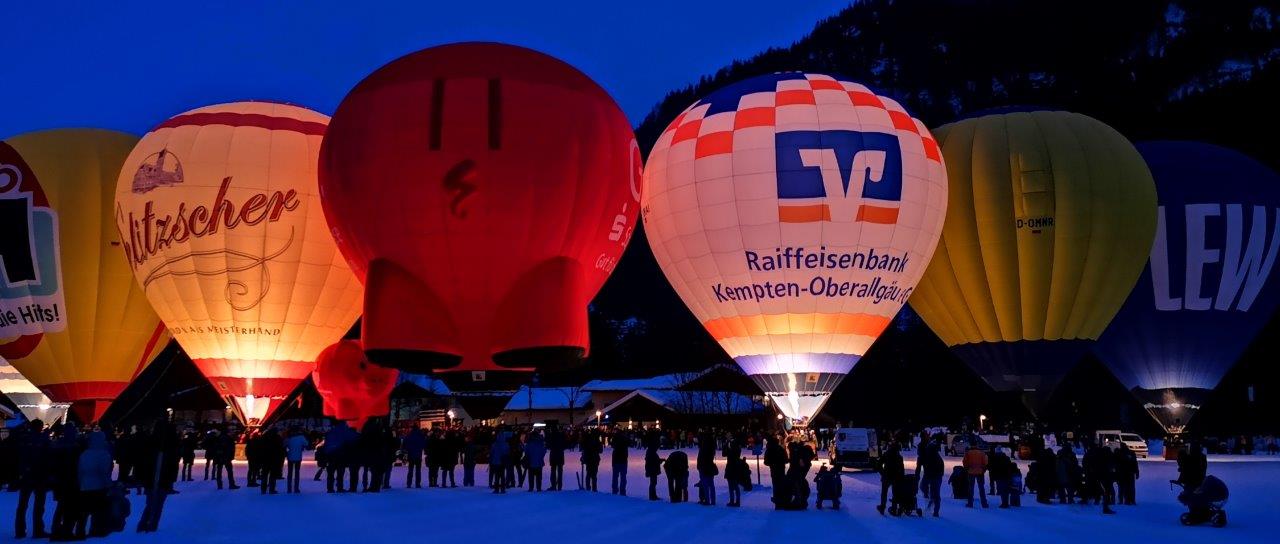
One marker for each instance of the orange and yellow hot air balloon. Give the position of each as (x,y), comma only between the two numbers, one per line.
(220,213)
(71,318)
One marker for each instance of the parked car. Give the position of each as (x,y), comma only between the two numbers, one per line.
(855,448)
(957,444)
(1113,438)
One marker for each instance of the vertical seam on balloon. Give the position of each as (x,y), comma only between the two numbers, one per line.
(436,122)
(987,303)
(1076,305)
(495,114)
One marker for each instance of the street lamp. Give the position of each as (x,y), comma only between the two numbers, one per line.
(982,421)
(598,414)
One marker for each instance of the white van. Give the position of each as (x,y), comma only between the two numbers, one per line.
(1113,438)
(856,448)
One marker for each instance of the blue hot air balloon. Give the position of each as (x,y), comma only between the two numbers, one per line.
(1210,285)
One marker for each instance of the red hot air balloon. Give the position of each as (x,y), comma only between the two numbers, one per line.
(353,389)
(483,192)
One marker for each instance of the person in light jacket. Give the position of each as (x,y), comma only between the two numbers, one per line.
(293,448)
(535,453)
(94,472)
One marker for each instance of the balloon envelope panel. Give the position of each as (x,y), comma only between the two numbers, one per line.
(1209,285)
(74,322)
(27,397)
(793,213)
(220,212)
(1050,215)
(483,192)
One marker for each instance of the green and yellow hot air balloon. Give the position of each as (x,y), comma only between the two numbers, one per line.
(1050,218)
(72,319)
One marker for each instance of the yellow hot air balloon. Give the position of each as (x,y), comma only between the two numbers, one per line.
(220,211)
(1050,218)
(71,318)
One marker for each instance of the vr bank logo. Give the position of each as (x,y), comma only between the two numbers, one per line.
(836,174)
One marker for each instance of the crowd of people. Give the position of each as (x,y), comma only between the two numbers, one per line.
(76,467)
(90,472)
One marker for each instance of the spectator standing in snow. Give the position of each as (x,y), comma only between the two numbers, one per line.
(801,456)
(1192,466)
(555,448)
(32,477)
(469,453)
(498,458)
(272,456)
(829,487)
(707,469)
(158,468)
(1068,476)
(334,443)
(65,459)
(891,471)
(94,472)
(733,471)
(1000,470)
(294,448)
(652,463)
(189,443)
(1099,475)
(1126,475)
(413,445)
(975,465)
(433,443)
(931,468)
(591,450)
(535,453)
(253,454)
(775,457)
(210,445)
(621,446)
(225,451)
(677,468)
(449,459)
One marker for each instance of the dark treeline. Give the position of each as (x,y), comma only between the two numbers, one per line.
(1153,69)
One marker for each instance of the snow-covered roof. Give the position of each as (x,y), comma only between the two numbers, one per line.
(427,383)
(548,398)
(692,402)
(665,381)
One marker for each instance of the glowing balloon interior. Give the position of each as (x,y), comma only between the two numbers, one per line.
(71,318)
(793,213)
(28,398)
(1208,287)
(220,215)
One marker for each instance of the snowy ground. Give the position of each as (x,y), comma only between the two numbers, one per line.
(200,513)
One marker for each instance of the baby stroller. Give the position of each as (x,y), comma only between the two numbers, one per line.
(904,497)
(1204,503)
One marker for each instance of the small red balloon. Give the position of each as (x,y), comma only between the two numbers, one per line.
(353,389)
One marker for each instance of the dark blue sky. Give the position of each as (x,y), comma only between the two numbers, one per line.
(96,64)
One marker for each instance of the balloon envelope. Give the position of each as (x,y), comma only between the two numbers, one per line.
(353,388)
(793,213)
(27,397)
(71,318)
(221,219)
(483,192)
(1208,287)
(1050,216)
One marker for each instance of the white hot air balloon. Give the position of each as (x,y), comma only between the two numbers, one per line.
(794,213)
